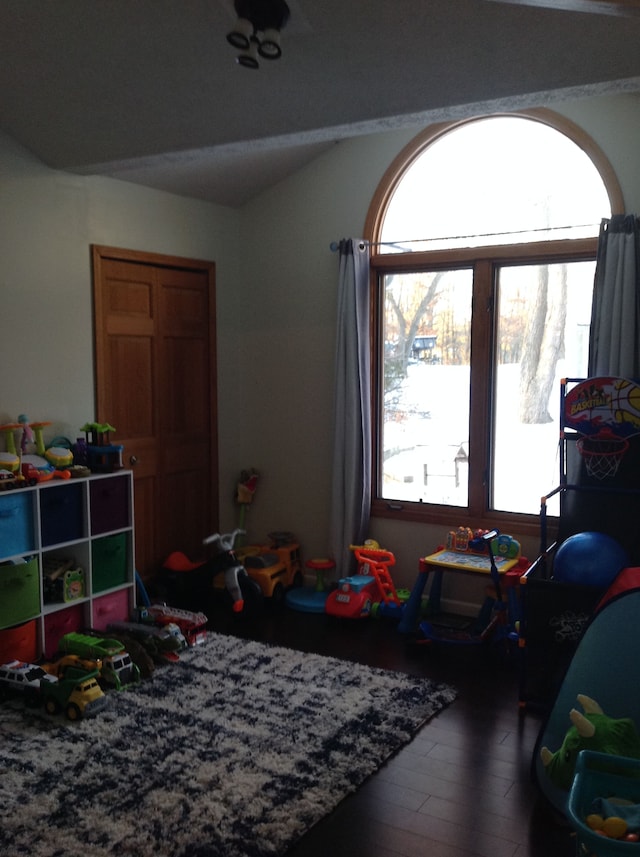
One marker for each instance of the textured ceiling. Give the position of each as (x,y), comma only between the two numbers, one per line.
(149,91)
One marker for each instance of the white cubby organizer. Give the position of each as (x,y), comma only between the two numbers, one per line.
(84,525)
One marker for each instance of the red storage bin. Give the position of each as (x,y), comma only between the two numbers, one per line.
(62,622)
(19,643)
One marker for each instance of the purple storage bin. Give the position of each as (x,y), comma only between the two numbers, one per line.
(110,500)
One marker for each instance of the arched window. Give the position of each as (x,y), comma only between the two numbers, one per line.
(484,236)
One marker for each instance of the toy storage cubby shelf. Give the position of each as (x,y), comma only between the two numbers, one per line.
(82,525)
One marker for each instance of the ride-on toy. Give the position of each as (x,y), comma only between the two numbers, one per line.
(276,567)
(197,577)
(357,595)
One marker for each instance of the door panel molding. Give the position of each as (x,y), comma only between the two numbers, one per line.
(152,313)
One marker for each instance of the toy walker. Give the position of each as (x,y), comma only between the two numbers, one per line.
(369,591)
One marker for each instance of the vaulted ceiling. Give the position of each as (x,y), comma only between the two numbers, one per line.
(149,91)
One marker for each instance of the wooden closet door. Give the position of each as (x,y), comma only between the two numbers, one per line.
(156,383)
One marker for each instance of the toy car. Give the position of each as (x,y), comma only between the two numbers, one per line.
(117,668)
(275,568)
(76,692)
(192,624)
(23,678)
(26,479)
(356,595)
(161,643)
(353,598)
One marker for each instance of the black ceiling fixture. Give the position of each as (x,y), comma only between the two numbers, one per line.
(257,30)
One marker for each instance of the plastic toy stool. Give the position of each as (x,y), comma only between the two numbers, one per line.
(311,599)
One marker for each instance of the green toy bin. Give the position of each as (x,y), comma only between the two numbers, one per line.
(19,592)
(601,775)
(109,562)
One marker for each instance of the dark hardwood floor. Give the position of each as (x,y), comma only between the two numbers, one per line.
(462,787)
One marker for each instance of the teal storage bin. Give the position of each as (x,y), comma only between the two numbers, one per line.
(108,562)
(19,592)
(601,775)
(16,523)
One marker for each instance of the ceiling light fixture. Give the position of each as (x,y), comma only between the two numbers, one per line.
(257,30)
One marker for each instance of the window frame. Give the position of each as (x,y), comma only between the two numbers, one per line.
(484,261)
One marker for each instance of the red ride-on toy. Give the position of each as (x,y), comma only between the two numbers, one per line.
(357,595)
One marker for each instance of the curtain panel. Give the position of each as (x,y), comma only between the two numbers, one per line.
(351,472)
(614,350)
(615,316)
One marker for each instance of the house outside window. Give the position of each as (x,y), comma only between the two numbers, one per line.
(484,239)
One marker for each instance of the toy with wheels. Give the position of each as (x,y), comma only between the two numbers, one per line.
(192,581)
(275,567)
(356,596)
(237,582)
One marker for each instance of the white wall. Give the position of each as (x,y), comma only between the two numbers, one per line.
(276,286)
(614,124)
(48,220)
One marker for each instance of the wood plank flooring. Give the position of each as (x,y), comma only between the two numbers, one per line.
(462,787)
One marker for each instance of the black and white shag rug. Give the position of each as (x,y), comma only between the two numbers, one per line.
(235,751)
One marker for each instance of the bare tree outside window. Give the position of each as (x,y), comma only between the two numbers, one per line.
(542,345)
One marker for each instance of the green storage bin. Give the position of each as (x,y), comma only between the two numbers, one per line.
(108,562)
(19,592)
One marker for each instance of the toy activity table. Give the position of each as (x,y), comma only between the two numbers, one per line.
(441,562)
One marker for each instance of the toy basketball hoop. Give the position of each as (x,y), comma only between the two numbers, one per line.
(602,453)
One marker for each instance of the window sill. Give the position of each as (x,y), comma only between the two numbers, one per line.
(454,516)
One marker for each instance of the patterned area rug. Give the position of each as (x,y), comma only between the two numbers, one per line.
(235,751)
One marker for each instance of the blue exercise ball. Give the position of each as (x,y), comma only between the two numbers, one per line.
(592,559)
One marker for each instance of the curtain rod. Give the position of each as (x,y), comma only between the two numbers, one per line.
(335,245)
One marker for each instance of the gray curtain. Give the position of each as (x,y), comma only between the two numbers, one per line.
(614,344)
(351,476)
(614,350)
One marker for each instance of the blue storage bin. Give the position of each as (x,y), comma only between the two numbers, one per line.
(602,775)
(16,523)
